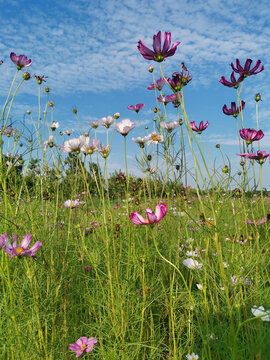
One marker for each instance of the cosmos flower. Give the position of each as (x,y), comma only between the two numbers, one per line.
(89,149)
(54,125)
(201,127)
(136,108)
(158,54)
(234,110)
(94,124)
(246,71)
(74,145)
(260,311)
(48,142)
(170,125)
(192,264)
(141,141)
(21,250)
(83,344)
(71,203)
(256,223)
(234,83)
(260,157)
(68,132)
(107,121)
(8,131)
(174,99)
(192,356)
(125,126)
(155,138)
(251,135)
(20,60)
(151,217)
(104,150)
(180,79)
(157,85)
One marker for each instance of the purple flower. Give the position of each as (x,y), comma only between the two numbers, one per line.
(260,157)
(201,127)
(71,203)
(251,135)
(234,83)
(233,111)
(158,54)
(259,222)
(83,344)
(136,108)
(174,99)
(157,85)
(20,60)
(8,131)
(21,250)
(151,217)
(246,71)
(180,79)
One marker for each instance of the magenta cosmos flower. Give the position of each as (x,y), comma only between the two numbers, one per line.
(151,217)
(234,83)
(21,250)
(233,110)
(158,54)
(125,126)
(157,85)
(180,79)
(20,60)
(260,157)
(83,344)
(136,108)
(246,71)
(251,135)
(201,127)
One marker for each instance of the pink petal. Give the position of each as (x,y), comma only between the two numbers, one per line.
(25,241)
(137,219)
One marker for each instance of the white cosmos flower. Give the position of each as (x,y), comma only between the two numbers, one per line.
(192,253)
(74,145)
(170,125)
(107,121)
(68,132)
(192,264)
(192,356)
(139,140)
(48,142)
(54,125)
(155,138)
(200,287)
(125,126)
(260,311)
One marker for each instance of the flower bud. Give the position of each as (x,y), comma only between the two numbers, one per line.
(116,115)
(177,167)
(146,128)
(74,111)
(180,121)
(257,97)
(47,89)
(149,157)
(218,146)
(51,104)
(155,110)
(26,76)
(28,112)
(86,134)
(225,169)
(150,68)
(242,163)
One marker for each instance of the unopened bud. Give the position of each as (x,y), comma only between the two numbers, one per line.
(149,157)
(155,110)
(28,112)
(257,97)
(26,76)
(74,111)
(150,68)
(116,115)
(47,89)
(218,146)
(242,163)
(225,169)
(146,128)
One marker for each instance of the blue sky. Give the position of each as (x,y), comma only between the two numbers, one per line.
(88,50)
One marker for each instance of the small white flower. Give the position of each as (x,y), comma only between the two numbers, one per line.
(170,125)
(139,140)
(48,142)
(54,125)
(155,138)
(200,287)
(191,254)
(71,204)
(107,121)
(192,356)
(68,132)
(192,264)
(225,265)
(260,311)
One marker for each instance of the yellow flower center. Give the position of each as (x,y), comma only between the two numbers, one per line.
(19,251)
(84,346)
(154,137)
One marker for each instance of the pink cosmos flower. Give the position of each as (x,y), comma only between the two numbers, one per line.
(234,83)
(251,135)
(136,108)
(95,124)
(83,344)
(71,203)
(158,54)
(180,79)
(259,222)
(89,149)
(20,60)
(233,111)
(201,127)
(151,217)
(157,85)
(170,125)
(260,157)
(21,250)
(246,71)
(125,126)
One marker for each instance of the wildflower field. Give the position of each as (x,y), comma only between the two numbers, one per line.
(112,266)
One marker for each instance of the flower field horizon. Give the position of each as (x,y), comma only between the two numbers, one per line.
(116,266)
